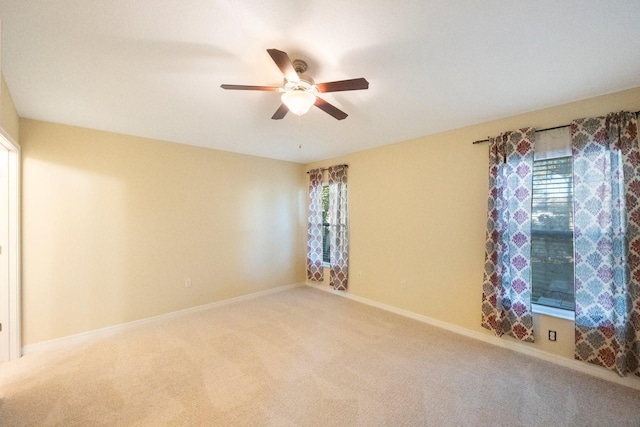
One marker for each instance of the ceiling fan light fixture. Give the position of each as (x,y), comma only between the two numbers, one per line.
(298,101)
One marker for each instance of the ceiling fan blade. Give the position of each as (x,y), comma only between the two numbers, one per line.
(330,109)
(284,63)
(341,85)
(245,87)
(280,112)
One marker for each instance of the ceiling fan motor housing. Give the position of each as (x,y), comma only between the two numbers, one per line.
(299,65)
(305,83)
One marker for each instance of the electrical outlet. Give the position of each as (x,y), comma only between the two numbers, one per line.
(552,335)
(187,283)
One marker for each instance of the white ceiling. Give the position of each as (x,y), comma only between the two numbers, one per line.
(153,68)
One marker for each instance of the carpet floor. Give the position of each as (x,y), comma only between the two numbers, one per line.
(301,357)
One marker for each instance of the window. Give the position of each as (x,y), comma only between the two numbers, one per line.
(326,219)
(552,233)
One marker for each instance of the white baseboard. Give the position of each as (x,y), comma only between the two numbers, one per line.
(83,337)
(576,365)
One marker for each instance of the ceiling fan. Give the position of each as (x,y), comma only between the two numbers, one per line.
(299,91)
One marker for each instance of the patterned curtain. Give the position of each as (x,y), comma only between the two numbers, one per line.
(606,161)
(506,291)
(338,234)
(314,230)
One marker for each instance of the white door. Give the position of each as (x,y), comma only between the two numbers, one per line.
(10,342)
(4,264)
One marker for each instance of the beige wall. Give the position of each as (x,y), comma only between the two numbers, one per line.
(9,121)
(418,215)
(113,225)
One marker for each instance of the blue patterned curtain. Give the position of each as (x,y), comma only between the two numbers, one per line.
(314,227)
(606,162)
(506,292)
(338,234)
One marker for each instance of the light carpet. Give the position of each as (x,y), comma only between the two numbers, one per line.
(301,357)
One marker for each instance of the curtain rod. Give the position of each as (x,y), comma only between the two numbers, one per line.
(326,169)
(538,130)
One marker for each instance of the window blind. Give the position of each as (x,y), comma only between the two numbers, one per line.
(552,233)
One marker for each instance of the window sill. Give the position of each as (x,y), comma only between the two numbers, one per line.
(553,312)
(326,265)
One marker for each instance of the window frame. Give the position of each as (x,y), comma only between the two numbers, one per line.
(561,313)
(325,187)
(557,312)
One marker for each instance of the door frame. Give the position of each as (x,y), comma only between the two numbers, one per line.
(12,260)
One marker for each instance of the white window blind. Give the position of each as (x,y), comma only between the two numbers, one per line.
(552,144)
